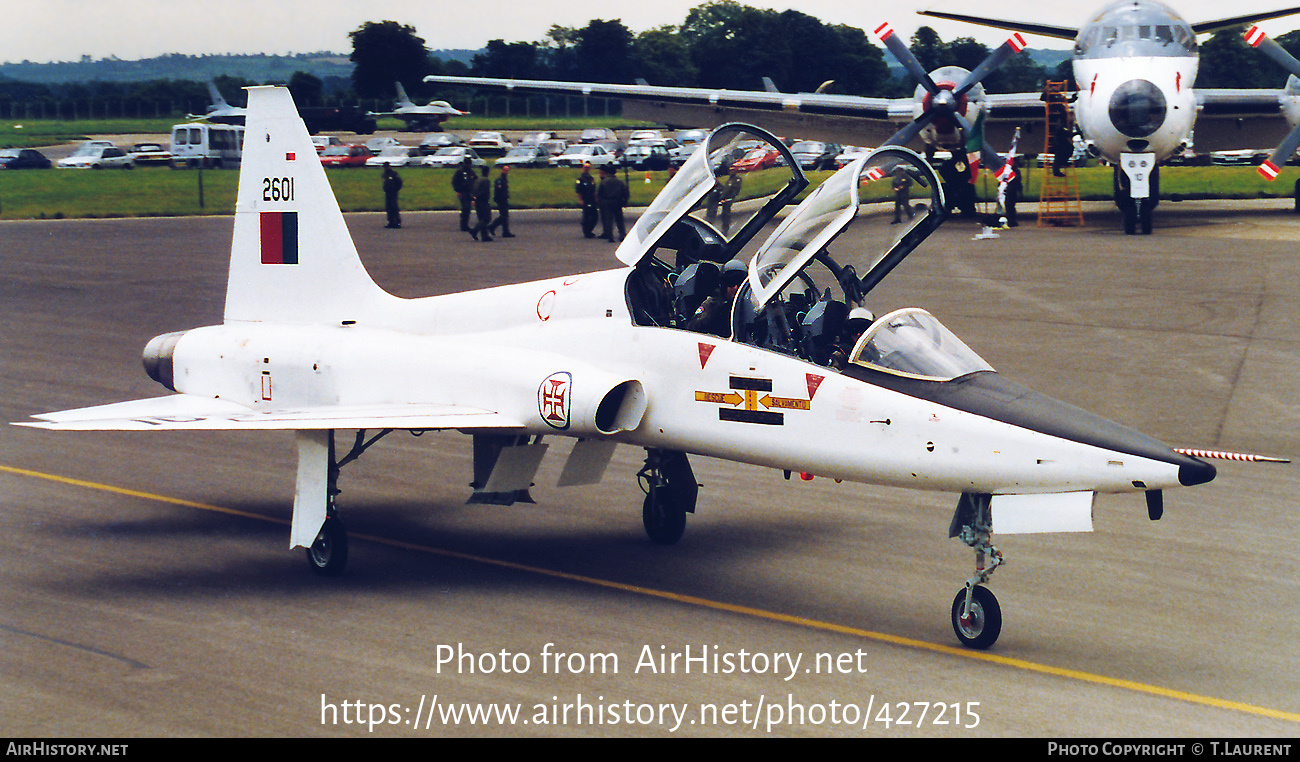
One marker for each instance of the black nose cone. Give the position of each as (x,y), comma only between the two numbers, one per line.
(1137,108)
(1195,472)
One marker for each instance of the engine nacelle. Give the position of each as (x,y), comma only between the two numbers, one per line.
(158,358)
(590,402)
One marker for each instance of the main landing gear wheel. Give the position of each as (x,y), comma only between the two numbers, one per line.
(670,494)
(664,520)
(981,627)
(329,553)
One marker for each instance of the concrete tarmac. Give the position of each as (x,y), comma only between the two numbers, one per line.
(146,588)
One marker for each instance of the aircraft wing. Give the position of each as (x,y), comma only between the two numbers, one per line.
(849,119)
(190,412)
(1234,119)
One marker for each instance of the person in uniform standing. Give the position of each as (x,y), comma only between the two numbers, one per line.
(392,185)
(463,184)
(501,195)
(612,196)
(482,207)
(585,187)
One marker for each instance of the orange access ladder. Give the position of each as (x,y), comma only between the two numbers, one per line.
(1058,197)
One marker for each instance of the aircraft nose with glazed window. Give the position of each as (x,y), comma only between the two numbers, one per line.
(800,378)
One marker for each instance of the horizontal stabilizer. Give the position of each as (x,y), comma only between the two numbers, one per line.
(188,412)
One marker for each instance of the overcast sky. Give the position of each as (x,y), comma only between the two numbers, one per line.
(65,30)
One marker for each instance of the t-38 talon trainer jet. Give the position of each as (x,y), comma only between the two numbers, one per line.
(424,118)
(798,377)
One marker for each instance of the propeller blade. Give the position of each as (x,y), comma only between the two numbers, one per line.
(885,33)
(1271,166)
(1014,44)
(1256,38)
(905,135)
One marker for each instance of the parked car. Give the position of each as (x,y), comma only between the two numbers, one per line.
(1242,156)
(490,144)
(647,156)
(580,154)
(814,154)
(92,156)
(756,159)
(394,156)
(149,153)
(432,143)
(690,137)
(23,158)
(683,153)
(596,134)
(525,156)
(641,136)
(850,154)
(378,144)
(453,156)
(325,141)
(345,156)
(536,138)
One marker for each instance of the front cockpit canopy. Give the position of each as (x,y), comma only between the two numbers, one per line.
(910,342)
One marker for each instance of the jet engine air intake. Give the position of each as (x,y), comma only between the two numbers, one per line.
(621,408)
(1137,108)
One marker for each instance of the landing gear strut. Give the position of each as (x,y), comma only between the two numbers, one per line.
(328,553)
(670,493)
(976,615)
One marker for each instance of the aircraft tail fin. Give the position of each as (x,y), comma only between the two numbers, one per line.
(402,100)
(215,94)
(292,259)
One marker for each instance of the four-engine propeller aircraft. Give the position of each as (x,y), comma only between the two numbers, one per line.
(801,378)
(1135,64)
(426,118)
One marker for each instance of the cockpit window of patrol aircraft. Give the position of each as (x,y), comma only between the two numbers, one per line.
(1136,29)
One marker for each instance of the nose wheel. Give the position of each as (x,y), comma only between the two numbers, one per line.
(976,615)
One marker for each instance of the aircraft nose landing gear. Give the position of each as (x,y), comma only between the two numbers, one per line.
(976,615)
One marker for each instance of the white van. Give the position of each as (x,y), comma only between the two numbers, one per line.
(207,145)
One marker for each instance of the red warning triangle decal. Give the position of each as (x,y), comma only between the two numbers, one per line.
(814,381)
(705,351)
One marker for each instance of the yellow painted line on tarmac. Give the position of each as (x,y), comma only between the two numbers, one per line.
(920,645)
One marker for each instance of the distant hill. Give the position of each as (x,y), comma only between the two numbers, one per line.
(254,67)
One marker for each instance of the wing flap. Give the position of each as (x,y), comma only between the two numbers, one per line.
(181,412)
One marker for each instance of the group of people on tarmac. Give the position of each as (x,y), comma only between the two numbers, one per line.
(601,201)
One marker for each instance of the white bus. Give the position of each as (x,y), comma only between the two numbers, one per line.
(207,145)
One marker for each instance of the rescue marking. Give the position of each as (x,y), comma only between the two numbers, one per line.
(751,401)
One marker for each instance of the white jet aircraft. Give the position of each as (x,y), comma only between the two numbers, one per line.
(799,378)
(220,112)
(419,118)
(1135,64)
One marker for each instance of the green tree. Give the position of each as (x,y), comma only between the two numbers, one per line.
(508,60)
(385,52)
(1227,61)
(306,88)
(662,57)
(604,51)
(927,46)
